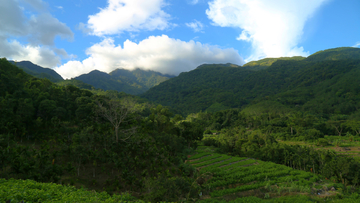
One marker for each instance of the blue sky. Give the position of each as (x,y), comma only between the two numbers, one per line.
(77,36)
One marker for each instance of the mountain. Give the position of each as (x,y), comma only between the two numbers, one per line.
(38,71)
(325,83)
(131,82)
(341,53)
(267,62)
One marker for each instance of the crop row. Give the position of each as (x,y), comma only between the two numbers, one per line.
(219,193)
(196,156)
(257,185)
(222,158)
(245,178)
(225,162)
(214,156)
(219,172)
(262,166)
(242,174)
(267,165)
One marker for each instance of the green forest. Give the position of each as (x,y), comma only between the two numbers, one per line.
(274,130)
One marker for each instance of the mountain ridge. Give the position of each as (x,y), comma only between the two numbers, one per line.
(38,71)
(133,82)
(299,82)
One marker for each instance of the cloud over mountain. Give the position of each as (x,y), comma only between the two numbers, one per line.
(28,32)
(158,53)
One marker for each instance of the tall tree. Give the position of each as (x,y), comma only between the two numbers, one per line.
(118,112)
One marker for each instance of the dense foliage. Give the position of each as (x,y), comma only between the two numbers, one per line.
(31,191)
(62,134)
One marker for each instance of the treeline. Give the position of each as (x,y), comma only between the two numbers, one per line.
(105,141)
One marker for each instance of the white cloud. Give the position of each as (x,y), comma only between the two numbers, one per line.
(197,26)
(274,27)
(129,15)
(39,31)
(357,44)
(158,53)
(40,55)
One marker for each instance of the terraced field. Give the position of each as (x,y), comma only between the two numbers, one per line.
(224,177)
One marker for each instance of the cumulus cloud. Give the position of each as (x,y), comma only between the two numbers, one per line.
(39,30)
(129,15)
(273,27)
(158,53)
(43,56)
(197,26)
(357,44)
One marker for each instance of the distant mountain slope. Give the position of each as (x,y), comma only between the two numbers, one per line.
(296,83)
(131,82)
(38,71)
(76,83)
(267,62)
(341,53)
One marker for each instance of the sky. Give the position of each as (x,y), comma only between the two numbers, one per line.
(74,37)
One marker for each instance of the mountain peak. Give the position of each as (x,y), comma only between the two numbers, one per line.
(341,53)
(38,71)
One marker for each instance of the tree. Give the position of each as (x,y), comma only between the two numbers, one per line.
(353,125)
(191,132)
(337,122)
(118,112)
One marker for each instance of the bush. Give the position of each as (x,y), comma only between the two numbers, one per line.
(322,142)
(208,132)
(165,188)
(312,134)
(210,142)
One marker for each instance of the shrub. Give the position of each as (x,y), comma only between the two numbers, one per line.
(210,142)
(322,142)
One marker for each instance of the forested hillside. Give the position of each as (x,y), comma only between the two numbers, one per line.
(107,141)
(131,82)
(324,83)
(38,71)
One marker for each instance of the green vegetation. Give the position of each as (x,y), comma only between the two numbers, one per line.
(324,83)
(76,83)
(266,62)
(107,141)
(38,71)
(249,180)
(31,191)
(285,133)
(131,82)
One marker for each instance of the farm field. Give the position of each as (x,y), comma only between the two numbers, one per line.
(239,179)
(345,145)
